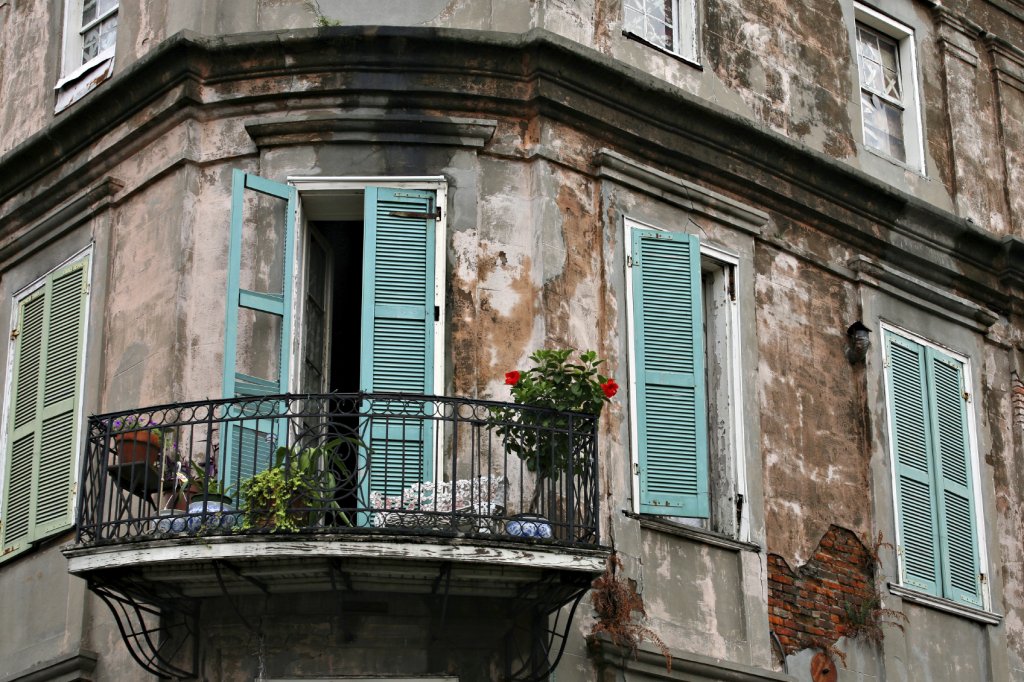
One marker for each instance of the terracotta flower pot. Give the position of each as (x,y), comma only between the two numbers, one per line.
(137,446)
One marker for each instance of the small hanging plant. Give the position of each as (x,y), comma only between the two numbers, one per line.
(620,612)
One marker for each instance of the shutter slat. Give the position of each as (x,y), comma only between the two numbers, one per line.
(672,418)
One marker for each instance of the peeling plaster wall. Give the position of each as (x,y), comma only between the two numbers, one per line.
(535,257)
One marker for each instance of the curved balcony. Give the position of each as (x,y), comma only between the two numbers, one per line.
(486,510)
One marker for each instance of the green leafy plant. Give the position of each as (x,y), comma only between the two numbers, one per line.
(555,386)
(302,477)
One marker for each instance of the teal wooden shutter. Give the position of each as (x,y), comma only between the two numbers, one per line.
(954,480)
(915,474)
(397,326)
(670,391)
(257,335)
(41,429)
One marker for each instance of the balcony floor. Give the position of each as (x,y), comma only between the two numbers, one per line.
(210,566)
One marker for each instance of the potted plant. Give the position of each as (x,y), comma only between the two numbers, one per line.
(302,478)
(540,436)
(136,440)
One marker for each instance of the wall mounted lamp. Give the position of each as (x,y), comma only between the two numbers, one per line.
(859,340)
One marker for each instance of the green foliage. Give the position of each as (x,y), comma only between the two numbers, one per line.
(268,498)
(300,478)
(556,385)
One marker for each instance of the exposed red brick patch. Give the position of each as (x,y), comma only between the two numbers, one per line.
(807,608)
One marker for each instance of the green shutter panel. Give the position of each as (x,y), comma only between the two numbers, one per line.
(39,481)
(397,326)
(955,501)
(671,403)
(257,335)
(915,488)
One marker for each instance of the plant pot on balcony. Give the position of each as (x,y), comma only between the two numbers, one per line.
(528,526)
(135,447)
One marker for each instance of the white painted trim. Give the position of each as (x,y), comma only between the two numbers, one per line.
(16,299)
(972,441)
(314,183)
(159,553)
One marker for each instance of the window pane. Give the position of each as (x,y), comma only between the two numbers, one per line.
(89,11)
(90,44)
(883,126)
(652,20)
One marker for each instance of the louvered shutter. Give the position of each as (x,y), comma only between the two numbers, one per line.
(955,501)
(915,474)
(397,340)
(669,356)
(257,335)
(47,366)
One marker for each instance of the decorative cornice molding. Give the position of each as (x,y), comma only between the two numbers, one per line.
(957,34)
(371,127)
(614,166)
(1007,62)
(943,302)
(527,76)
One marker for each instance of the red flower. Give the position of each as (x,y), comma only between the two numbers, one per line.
(512,378)
(610,388)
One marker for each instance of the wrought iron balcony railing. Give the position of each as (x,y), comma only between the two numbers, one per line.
(340,463)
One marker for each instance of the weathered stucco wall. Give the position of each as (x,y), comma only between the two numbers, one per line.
(535,258)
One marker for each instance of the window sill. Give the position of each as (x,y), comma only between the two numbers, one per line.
(903,165)
(686,60)
(83,81)
(706,537)
(945,605)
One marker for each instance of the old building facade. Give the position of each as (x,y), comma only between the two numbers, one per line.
(241,234)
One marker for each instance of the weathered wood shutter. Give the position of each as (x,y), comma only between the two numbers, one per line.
(957,528)
(915,475)
(41,429)
(258,335)
(935,491)
(671,402)
(397,332)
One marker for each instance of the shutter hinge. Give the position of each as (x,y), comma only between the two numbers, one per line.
(983,578)
(732,284)
(629,261)
(14,334)
(967,397)
(739,508)
(636,469)
(437,313)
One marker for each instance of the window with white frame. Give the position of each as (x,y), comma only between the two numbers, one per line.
(90,31)
(934,457)
(888,87)
(684,356)
(667,24)
(43,406)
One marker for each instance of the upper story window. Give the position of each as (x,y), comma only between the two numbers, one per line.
(98,28)
(666,24)
(888,91)
(90,33)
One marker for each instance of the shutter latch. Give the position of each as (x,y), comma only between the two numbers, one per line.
(420,215)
